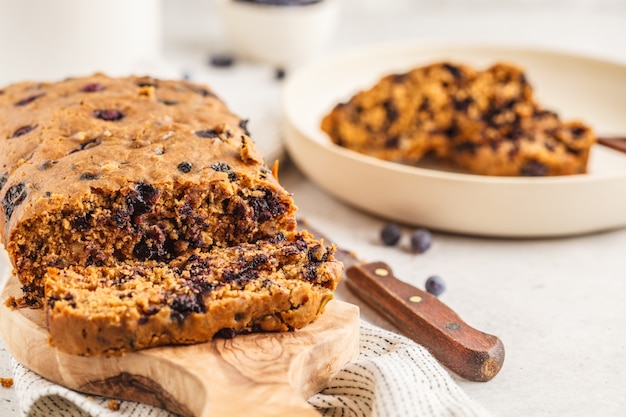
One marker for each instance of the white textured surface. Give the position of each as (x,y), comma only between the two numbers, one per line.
(556,304)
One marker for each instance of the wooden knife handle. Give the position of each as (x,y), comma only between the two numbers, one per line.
(470,353)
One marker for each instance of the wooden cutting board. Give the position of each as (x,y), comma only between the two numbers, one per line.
(251,375)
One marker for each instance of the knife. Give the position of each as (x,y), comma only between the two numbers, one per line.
(617,143)
(422,317)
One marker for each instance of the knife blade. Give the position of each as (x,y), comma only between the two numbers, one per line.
(422,317)
(616,143)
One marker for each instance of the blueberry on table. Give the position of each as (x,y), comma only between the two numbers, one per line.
(390,234)
(435,285)
(421,239)
(280,73)
(222,60)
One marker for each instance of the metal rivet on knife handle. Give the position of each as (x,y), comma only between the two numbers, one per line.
(415,299)
(470,353)
(381,272)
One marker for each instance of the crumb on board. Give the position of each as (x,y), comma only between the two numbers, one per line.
(113,405)
(13,303)
(6,382)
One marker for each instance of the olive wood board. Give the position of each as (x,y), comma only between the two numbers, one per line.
(264,374)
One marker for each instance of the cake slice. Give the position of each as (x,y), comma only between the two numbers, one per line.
(402,117)
(279,284)
(503,130)
(487,122)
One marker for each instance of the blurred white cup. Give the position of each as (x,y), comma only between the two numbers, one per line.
(284,36)
(53,39)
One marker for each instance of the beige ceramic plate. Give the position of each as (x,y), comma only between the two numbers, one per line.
(576,86)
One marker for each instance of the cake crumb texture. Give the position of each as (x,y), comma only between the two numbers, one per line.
(113,405)
(280,284)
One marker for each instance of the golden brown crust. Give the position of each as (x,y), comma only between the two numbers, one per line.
(484,121)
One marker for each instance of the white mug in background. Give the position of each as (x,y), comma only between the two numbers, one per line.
(54,39)
(279,35)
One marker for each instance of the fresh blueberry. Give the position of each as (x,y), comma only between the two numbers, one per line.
(280,73)
(435,285)
(390,234)
(421,239)
(222,60)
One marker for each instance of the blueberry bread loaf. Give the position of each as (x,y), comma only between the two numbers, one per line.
(100,172)
(487,122)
